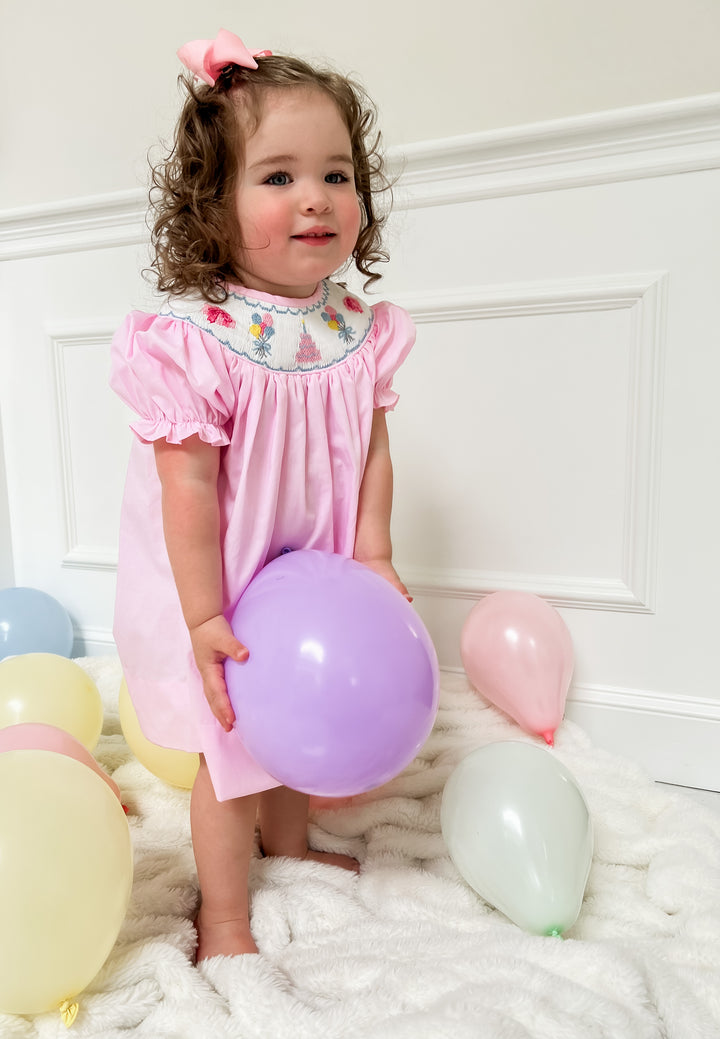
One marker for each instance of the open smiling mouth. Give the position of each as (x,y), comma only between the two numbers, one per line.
(314,237)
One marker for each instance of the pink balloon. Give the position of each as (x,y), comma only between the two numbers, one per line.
(518,654)
(341,687)
(36,736)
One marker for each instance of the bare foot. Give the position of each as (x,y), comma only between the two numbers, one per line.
(331,859)
(222,938)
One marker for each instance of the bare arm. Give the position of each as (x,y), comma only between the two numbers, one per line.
(373,546)
(191,521)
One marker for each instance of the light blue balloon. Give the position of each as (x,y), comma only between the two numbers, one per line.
(518,829)
(32,621)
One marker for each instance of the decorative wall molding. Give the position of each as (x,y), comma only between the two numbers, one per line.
(677,136)
(64,337)
(644,294)
(90,557)
(582,593)
(633,590)
(652,140)
(643,701)
(673,736)
(93,642)
(93,222)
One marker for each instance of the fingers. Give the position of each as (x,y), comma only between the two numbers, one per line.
(217,696)
(216,688)
(384,568)
(235,650)
(213,642)
(224,644)
(397,583)
(395,580)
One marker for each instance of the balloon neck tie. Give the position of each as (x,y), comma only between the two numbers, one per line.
(555,933)
(549,737)
(68,1011)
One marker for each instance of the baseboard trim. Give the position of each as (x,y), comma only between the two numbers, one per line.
(675,738)
(93,642)
(677,745)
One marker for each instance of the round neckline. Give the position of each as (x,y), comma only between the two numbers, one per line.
(291,302)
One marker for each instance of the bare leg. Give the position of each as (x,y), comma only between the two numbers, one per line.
(283,828)
(223,833)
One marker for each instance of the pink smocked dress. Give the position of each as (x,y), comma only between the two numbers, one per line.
(286,388)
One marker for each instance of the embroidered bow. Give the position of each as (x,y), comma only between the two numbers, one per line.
(207,58)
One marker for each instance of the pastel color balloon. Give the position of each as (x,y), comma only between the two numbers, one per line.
(518,653)
(47,688)
(518,829)
(66,873)
(32,621)
(176,767)
(35,736)
(341,687)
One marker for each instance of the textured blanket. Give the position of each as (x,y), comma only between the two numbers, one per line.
(407,950)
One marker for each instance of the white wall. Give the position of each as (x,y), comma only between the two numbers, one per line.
(559,428)
(7,576)
(87,89)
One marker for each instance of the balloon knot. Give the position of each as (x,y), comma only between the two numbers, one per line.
(69,1011)
(549,737)
(555,933)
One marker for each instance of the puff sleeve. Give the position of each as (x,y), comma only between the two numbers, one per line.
(175,377)
(394,338)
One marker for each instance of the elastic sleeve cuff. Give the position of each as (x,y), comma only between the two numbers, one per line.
(149,430)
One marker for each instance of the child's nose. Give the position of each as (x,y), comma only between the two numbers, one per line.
(316,199)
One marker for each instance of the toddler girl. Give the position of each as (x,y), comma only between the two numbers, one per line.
(261,389)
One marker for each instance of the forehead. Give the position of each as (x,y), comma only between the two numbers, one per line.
(299,113)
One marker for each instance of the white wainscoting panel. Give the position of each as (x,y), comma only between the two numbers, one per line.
(88,421)
(571,355)
(66,436)
(558,428)
(7,575)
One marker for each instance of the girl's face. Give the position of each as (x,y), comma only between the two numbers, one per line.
(296,201)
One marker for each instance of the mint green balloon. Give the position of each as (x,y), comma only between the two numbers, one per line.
(519,832)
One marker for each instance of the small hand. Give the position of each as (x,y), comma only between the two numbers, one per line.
(385,569)
(213,641)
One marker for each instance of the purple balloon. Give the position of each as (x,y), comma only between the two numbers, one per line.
(341,687)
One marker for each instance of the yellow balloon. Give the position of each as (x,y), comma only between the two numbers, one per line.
(65,875)
(177,767)
(53,690)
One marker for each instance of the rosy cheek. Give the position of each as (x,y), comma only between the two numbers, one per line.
(257,229)
(352,216)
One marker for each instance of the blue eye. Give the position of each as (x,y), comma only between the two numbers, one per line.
(336,178)
(278,179)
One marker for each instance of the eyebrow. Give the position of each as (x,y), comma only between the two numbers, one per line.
(278,160)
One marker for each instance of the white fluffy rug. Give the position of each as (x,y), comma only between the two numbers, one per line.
(406,950)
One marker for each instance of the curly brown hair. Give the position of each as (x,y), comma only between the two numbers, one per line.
(195,233)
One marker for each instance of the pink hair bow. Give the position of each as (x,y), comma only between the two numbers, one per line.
(207,58)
